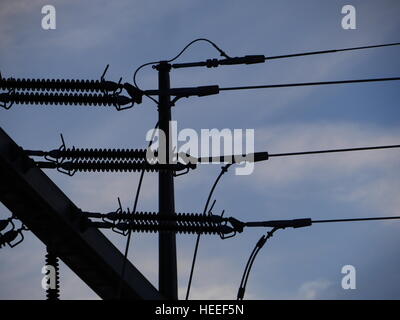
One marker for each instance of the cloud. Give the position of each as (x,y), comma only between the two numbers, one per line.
(313,290)
(380,195)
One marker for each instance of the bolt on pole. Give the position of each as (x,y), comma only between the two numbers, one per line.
(168,283)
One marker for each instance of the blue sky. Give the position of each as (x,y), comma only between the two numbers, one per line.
(295,264)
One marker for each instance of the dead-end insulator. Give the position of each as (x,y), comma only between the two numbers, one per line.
(184,227)
(65,99)
(90,154)
(113,166)
(63,85)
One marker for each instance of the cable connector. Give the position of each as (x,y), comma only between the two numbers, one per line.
(135,93)
(281,224)
(243,60)
(213,63)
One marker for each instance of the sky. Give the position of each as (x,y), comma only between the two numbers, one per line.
(296,263)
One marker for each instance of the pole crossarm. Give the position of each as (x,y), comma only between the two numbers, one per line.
(34,199)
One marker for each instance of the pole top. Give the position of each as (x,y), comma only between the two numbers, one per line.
(163,66)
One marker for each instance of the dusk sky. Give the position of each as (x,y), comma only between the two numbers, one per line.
(296,263)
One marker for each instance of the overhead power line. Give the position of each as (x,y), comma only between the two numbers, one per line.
(304,84)
(331,51)
(332,151)
(252,59)
(263,156)
(356,219)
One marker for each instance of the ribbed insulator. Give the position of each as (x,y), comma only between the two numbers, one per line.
(154,216)
(58,85)
(65,99)
(174,226)
(122,166)
(52,260)
(88,154)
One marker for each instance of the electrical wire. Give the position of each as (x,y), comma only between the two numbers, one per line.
(255,252)
(332,151)
(128,240)
(250,261)
(356,219)
(330,51)
(223,170)
(303,84)
(263,156)
(264,238)
(222,53)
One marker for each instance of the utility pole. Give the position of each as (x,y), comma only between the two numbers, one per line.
(168,283)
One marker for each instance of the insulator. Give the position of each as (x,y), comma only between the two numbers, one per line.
(124,166)
(59,85)
(154,222)
(65,99)
(88,154)
(154,216)
(175,226)
(52,260)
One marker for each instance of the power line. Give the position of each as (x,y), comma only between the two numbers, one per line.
(252,59)
(332,151)
(282,224)
(356,219)
(263,156)
(330,51)
(303,84)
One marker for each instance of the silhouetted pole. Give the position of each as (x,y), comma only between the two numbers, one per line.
(168,283)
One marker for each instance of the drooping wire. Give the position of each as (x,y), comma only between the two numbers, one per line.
(282,225)
(223,170)
(128,240)
(222,53)
(250,261)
